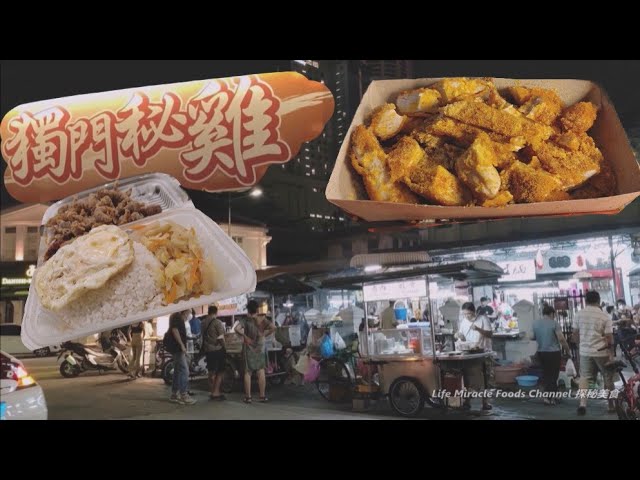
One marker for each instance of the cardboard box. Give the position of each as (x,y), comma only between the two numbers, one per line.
(346,190)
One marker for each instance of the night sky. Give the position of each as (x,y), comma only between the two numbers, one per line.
(29,81)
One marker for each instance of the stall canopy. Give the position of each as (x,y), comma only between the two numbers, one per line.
(282,284)
(635,272)
(476,271)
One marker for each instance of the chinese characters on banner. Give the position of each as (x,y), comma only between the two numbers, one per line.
(395,290)
(228,126)
(212,135)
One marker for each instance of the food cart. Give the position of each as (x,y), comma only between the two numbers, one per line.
(410,364)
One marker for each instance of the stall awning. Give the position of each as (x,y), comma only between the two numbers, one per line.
(635,272)
(282,284)
(477,271)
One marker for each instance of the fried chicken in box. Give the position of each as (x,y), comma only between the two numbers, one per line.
(460,142)
(370,161)
(475,169)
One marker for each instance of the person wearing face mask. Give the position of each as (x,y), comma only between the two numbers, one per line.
(476,329)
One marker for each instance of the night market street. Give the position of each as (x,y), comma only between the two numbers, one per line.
(112,396)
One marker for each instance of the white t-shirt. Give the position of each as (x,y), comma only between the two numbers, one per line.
(471,335)
(593,324)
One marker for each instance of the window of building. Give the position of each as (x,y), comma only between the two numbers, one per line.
(31,244)
(8,253)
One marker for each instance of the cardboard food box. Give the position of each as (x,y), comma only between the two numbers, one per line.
(346,189)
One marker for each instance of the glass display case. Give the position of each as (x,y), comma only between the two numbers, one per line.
(409,341)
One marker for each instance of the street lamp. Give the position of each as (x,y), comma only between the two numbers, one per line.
(255,192)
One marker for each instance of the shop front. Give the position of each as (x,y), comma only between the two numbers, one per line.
(14,289)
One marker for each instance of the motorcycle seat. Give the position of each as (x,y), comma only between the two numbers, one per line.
(97,353)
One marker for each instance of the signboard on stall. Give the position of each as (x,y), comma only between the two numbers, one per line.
(560,261)
(395,290)
(233,306)
(518,270)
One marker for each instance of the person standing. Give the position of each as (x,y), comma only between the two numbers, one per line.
(548,334)
(476,329)
(486,309)
(389,317)
(253,329)
(594,335)
(180,386)
(214,349)
(137,343)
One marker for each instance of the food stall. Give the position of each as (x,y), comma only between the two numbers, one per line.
(410,363)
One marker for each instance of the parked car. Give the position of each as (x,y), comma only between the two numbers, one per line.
(11,342)
(21,398)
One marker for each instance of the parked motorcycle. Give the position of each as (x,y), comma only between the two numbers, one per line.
(79,358)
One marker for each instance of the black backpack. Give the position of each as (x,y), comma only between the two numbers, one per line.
(170,343)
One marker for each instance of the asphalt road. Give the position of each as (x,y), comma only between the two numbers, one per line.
(112,396)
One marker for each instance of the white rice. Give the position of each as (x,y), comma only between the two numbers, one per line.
(130,292)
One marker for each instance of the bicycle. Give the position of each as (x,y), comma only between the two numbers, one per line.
(337,375)
(627,402)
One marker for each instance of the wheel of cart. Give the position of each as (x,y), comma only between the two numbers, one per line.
(336,380)
(407,396)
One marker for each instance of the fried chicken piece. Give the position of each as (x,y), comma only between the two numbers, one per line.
(503,147)
(530,185)
(418,101)
(503,198)
(462,88)
(539,104)
(437,184)
(508,122)
(370,161)
(568,140)
(475,168)
(605,181)
(405,155)
(572,168)
(386,123)
(579,117)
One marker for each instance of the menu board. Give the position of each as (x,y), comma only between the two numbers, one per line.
(395,290)
(233,306)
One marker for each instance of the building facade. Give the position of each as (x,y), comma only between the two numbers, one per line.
(20,239)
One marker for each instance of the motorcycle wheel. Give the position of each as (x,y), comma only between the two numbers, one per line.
(624,408)
(69,371)
(167,372)
(123,364)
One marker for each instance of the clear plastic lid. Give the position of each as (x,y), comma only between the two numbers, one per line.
(151,189)
(234,275)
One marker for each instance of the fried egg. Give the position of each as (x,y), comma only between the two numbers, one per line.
(85,264)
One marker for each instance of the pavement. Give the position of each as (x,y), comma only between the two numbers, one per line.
(112,396)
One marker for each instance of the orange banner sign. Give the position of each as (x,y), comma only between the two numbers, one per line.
(211,135)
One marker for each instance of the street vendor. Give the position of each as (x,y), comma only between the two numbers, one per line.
(477,330)
(389,317)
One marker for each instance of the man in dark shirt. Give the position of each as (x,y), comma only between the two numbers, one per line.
(213,344)
(485,309)
(180,386)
